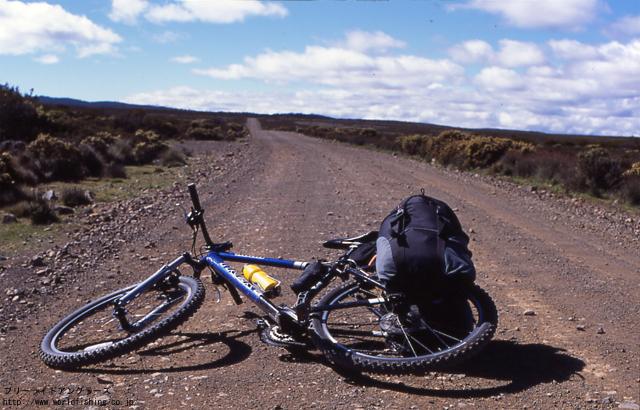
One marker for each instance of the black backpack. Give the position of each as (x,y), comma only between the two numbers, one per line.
(421,247)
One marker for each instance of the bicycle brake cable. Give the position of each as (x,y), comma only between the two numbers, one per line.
(193,241)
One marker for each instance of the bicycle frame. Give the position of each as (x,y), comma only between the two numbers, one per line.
(286,317)
(216,260)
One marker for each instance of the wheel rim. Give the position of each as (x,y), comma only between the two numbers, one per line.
(96,328)
(377,333)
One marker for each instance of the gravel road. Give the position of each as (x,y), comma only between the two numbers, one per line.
(563,273)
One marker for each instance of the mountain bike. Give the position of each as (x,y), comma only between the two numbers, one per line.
(354,322)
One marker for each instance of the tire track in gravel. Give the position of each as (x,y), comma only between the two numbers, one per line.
(529,261)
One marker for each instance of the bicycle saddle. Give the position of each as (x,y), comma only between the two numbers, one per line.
(344,243)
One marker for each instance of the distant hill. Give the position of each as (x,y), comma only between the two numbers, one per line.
(72,102)
(384,126)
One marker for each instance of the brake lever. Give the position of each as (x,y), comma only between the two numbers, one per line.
(183,209)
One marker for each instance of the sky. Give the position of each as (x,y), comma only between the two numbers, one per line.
(570,66)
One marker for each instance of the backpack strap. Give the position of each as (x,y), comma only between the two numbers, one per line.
(397,222)
(440,240)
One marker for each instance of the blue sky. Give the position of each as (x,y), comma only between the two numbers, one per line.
(563,66)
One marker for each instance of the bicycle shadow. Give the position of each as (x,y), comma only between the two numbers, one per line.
(521,366)
(238,352)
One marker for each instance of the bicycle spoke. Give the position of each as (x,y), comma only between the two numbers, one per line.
(423,346)
(446,335)
(435,333)
(408,340)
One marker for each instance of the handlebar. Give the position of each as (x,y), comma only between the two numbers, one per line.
(196,215)
(194,197)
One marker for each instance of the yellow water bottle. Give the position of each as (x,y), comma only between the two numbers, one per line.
(258,277)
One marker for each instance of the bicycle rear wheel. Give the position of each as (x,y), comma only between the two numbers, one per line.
(92,334)
(374,339)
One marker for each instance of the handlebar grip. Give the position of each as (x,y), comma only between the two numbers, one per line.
(194,197)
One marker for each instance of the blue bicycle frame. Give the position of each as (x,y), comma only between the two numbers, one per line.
(216,260)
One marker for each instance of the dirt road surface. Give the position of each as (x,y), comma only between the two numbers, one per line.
(574,268)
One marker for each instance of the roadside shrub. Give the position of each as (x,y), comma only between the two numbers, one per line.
(56,159)
(445,147)
(26,168)
(11,177)
(146,152)
(201,133)
(93,162)
(147,146)
(10,172)
(38,211)
(388,142)
(10,194)
(145,136)
(235,131)
(480,152)
(633,171)
(172,158)
(19,118)
(599,171)
(368,133)
(517,164)
(121,152)
(41,213)
(21,208)
(12,146)
(159,124)
(558,167)
(630,190)
(74,197)
(101,143)
(412,144)
(115,170)
(466,151)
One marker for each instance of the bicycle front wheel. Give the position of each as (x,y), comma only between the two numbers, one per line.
(369,337)
(92,334)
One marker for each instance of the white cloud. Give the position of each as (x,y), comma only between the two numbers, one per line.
(339,66)
(568,14)
(186,59)
(517,53)
(127,11)
(498,78)
(32,27)
(511,53)
(615,71)
(625,26)
(218,11)
(366,40)
(572,49)
(47,59)
(471,51)
(594,92)
(167,37)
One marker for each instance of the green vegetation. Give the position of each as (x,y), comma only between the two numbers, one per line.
(462,150)
(41,144)
(604,167)
(140,179)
